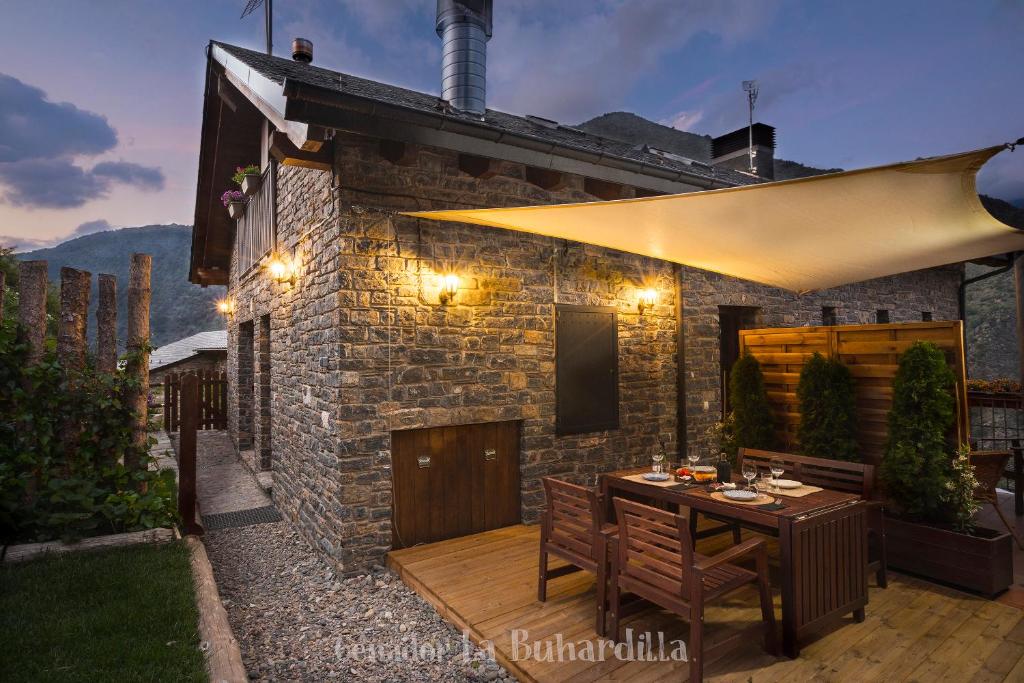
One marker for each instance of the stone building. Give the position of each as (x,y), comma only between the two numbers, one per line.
(342,342)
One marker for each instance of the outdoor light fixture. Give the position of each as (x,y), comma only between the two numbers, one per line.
(449,288)
(281,270)
(646,299)
(226,307)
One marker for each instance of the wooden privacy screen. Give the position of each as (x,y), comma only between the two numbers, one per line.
(871,352)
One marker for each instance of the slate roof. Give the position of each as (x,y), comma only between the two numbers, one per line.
(177,351)
(278,69)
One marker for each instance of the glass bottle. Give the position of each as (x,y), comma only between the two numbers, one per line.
(723,469)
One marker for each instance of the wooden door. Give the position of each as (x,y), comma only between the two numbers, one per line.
(454,481)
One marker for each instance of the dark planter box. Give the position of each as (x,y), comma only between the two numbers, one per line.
(982,563)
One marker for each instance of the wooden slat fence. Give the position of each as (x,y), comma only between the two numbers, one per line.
(212,399)
(872,354)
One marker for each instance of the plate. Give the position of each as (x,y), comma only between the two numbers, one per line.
(737,494)
(788,483)
(656,476)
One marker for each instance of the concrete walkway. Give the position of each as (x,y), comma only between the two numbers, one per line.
(223,483)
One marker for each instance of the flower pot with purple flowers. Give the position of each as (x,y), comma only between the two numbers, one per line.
(234,200)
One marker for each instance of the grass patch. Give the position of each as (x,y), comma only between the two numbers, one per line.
(126,614)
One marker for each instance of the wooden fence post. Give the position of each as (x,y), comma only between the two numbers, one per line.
(32,281)
(74,317)
(138,346)
(106,324)
(187,455)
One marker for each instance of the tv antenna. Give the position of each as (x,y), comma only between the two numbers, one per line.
(750,87)
(268,19)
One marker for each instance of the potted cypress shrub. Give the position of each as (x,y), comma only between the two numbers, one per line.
(828,410)
(928,526)
(752,423)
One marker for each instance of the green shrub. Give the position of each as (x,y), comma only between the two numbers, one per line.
(753,424)
(959,497)
(917,466)
(828,410)
(63,438)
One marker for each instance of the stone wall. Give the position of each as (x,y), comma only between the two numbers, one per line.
(360,346)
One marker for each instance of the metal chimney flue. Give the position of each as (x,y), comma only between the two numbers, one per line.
(464,27)
(302,50)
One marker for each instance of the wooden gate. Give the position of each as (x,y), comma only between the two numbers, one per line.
(212,399)
(454,481)
(871,352)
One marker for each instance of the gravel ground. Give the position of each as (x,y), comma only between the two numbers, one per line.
(295,620)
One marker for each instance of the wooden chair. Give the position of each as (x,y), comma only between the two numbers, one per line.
(989,467)
(837,475)
(572,528)
(653,558)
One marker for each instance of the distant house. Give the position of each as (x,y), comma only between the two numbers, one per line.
(203,351)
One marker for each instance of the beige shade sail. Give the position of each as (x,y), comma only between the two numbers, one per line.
(802,235)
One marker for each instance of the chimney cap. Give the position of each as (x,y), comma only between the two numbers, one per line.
(302,50)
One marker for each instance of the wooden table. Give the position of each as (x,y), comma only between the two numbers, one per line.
(822,547)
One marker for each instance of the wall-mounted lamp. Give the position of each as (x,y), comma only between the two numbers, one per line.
(449,288)
(281,270)
(226,307)
(646,299)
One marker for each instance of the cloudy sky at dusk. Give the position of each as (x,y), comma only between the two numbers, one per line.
(100,101)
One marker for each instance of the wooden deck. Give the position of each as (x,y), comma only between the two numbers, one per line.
(486,584)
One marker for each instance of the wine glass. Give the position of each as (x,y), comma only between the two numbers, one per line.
(749,473)
(777,471)
(692,456)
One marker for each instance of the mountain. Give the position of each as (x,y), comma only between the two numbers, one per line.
(991,317)
(628,127)
(177,309)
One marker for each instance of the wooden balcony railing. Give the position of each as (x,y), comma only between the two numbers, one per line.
(997,424)
(257,229)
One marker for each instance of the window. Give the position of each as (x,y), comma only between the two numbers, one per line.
(926,316)
(881,316)
(828,315)
(586,369)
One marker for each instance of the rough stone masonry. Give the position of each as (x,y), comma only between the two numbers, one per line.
(359,345)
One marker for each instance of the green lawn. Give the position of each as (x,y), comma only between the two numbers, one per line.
(126,614)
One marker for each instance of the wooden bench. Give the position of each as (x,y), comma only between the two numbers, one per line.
(837,475)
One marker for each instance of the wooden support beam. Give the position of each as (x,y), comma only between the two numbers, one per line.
(602,189)
(224,92)
(74,317)
(399,153)
(189,401)
(478,167)
(1018,285)
(137,367)
(545,178)
(32,282)
(316,136)
(643,192)
(282,149)
(106,324)
(682,438)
